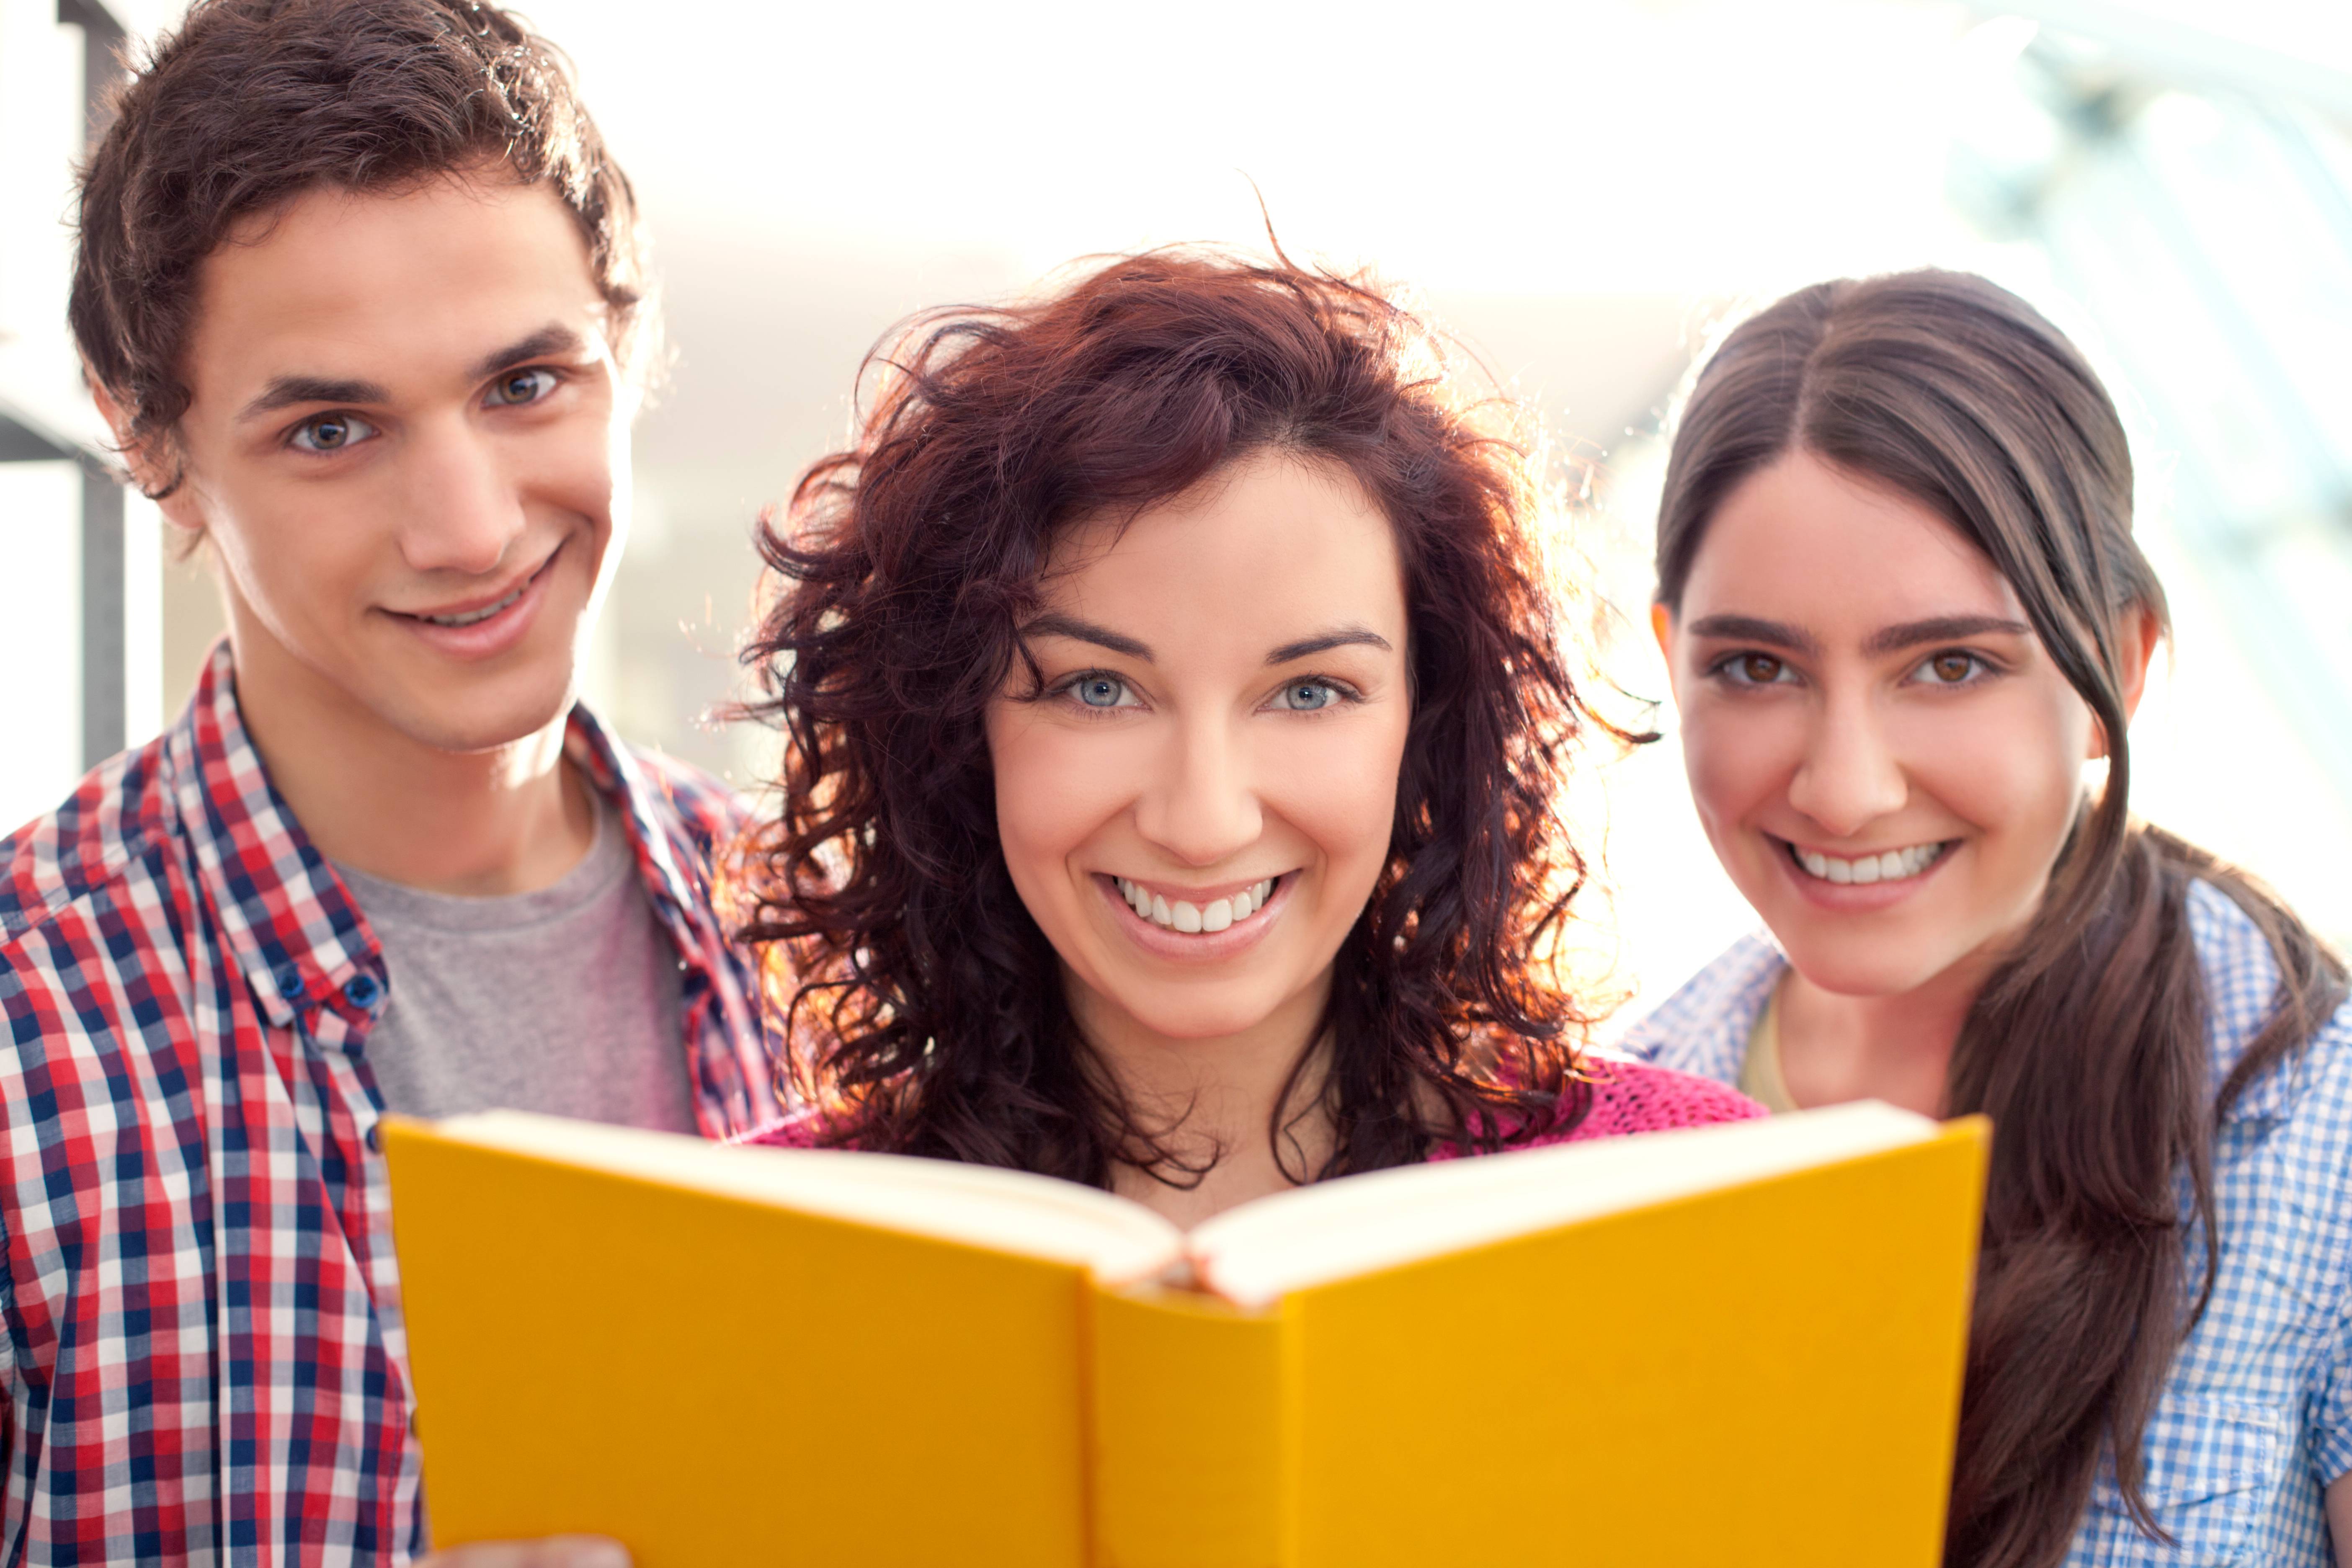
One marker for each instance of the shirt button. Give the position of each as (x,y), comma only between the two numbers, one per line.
(289,982)
(361,990)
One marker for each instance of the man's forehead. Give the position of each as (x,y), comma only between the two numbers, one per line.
(435,281)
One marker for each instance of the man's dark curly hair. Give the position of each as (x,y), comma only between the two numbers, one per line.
(924,1007)
(251,103)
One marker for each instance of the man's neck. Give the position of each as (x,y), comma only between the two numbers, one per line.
(512,819)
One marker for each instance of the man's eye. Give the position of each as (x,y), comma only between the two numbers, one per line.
(521,386)
(1754,669)
(331,433)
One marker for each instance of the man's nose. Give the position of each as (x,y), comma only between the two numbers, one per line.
(1204,805)
(1850,775)
(464,510)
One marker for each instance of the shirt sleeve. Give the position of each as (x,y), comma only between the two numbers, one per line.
(2331,1416)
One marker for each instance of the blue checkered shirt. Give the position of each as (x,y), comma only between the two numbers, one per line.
(2256,1416)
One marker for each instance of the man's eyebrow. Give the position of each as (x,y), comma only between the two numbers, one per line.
(1071,627)
(1754,629)
(1345,636)
(1942,628)
(553,339)
(287,390)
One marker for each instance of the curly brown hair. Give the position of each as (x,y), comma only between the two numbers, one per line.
(925,1009)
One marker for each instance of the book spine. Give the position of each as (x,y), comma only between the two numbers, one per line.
(1192,1439)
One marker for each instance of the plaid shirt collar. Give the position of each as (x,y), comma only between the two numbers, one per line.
(301,942)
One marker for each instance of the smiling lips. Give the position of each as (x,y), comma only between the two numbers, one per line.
(480,613)
(1893,865)
(1191,919)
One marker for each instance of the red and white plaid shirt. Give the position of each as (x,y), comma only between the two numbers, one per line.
(204,1358)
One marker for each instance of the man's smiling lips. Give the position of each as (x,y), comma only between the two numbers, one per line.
(487,625)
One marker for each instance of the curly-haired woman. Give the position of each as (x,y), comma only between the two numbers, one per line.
(1175,718)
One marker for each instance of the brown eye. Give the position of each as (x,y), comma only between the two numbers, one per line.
(1760,668)
(520,386)
(1951,668)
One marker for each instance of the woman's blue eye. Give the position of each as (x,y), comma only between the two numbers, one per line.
(1101,691)
(1306,696)
(522,387)
(331,433)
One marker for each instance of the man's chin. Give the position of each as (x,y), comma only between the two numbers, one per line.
(480,721)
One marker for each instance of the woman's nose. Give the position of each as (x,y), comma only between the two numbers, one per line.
(1850,775)
(1204,805)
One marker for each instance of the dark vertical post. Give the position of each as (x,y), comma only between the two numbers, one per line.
(102,60)
(104,683)
(104,686)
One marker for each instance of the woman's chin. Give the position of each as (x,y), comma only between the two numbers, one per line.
(1190,1019)
(1844,967)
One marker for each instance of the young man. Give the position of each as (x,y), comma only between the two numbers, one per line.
(361,294)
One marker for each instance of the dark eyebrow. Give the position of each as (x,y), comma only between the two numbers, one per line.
(1346,636)
(1750,628)
(287,390)
(1942,628)
(1055,625)
(552,339)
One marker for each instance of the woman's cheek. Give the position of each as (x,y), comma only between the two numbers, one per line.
(1339,788)
(1055,786)
(1737,761)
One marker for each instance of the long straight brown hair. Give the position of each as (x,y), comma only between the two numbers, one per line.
(2088,1047)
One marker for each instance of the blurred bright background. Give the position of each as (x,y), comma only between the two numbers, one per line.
(1584,191)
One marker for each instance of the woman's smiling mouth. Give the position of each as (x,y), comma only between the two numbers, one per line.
(1207,916)
(1888,865)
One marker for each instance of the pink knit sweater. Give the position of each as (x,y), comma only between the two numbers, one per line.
(1627,1097)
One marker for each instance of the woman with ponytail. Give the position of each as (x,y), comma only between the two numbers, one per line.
(1901,608)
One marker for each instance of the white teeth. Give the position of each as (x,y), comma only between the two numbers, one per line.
(1893,866)
(470,616)
(1191,919)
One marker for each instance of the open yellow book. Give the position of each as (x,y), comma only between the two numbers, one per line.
(1737,1344)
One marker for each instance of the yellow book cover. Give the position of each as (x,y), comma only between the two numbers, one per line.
(1737,1344)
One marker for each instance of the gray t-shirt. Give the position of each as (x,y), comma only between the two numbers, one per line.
(564,1001)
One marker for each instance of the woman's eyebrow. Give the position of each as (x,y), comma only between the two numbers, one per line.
(1942,628)
(1344,636)
(1753,628)
(1051,624)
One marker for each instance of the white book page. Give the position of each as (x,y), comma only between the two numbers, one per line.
(1004,1211)
(1256,1253)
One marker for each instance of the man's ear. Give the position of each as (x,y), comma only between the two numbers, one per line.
(2136,633)
(151,469)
